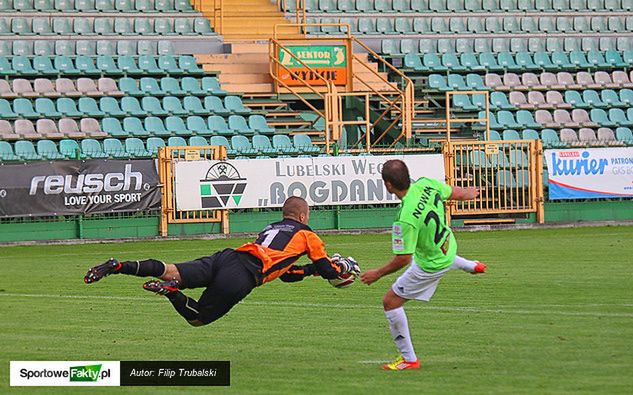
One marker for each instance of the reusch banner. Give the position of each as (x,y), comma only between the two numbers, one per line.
(249,183)
(78,187)
(591,173)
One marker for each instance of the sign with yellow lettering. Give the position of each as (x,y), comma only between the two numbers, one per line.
(326,61)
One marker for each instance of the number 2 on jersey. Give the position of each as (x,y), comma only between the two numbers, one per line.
(440,227)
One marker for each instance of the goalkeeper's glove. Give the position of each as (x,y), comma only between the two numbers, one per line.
(349,265)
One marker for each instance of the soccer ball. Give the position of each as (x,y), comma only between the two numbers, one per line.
(343,281)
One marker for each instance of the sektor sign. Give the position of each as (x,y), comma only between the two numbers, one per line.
(268,182)
(324,61)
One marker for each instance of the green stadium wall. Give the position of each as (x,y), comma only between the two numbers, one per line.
(254,220)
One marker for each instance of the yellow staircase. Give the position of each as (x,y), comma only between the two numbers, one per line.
(243,19)
(246,69)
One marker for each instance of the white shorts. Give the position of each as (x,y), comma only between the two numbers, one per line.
(415,283)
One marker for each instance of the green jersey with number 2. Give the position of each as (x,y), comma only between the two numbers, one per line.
(420,227)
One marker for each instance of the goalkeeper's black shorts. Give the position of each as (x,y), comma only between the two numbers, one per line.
(225,277)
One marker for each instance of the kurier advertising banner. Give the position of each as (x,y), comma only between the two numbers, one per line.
(78,187)
(327,61)
(252,183)
(590,173)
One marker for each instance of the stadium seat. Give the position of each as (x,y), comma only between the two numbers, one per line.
(262,145)
(155,127)
(153,144)
(222,141)
(26,150)
(113,128)
(134,127)
(176,125)
(149,86)
(135,148)
(214,105)
(91,127)
(46,108)
(304,143)
(92,148)
(550,138)
(110,106)
(88,106)
(218,125)
(258,124)
(197,125)
(68,108)
(131,106)
(47,128)
(242,145)
(114,148)
(151,105)
(70,149)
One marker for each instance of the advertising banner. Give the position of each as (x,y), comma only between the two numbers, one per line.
(248,183)
(78,187)
(327,61)
(590,173)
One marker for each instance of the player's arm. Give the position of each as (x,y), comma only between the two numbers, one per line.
(298,273)
(403,241)
(459,193)
(397,263)
(324,266)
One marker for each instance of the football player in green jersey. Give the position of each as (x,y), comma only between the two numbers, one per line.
(421,238)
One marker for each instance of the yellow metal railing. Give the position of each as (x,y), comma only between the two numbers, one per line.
(507,173)
(395,103)
(167,158)
(450,120)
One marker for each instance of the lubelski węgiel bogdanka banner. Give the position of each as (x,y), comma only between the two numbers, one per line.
(78,187)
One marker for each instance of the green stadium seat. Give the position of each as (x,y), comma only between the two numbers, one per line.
(148,65)
(176,141)
(183,26)
(135,148)
(163,48)
(597,60)
(183,6)
(112,127)
(427,45)
(451,62)
(47,149)
(611,98)
(242,145)
(222,141)
(83,27)
(106,47)
(5,67)
(5,27)
(126,48)
(42,27)
(68,108)
(130,86)
(197,125)
(70,149)
(164,27)
(561,61)
(107,66)
(575,99)
(432,62)
(24,108)
(43,66)
(144,26)
(22,66)
(524,60)
(22,48)
(462,101)
(505,61)
(413,61)
(304,143)
(422,25)
(543,60)
(262,144)
(475,82)
(578,59)
(149,86)
(235,106)
(218,125)
(590,44)
(403,26)
(506,120)
(189,66)
(499,100)
(238,125)
(86,47)
(151,105)
(489,62)
(85,66)
(104,27)
(214,105)
(626,96)
(64,65)
(21,26)
(171,86)
(131,106)
(110,106)
(470,62)
(124,5)
(623,135)
(127,64)
(145,6)
(124,26)
(619,117)
(445,45)
(389,47)
(436,81)
(258,123)
(173,106)
(134,127)
(148,47)
(156,127)
(367,26)
(608,44)
(89,106)
(26,150)
(83,6)
(6,152)
(464,45)
(193,105)
(104,5)
(6,112)
(153,145)
(114,148)
(167,63)
(6,50)
(92,149)
(46,107)
(202,26)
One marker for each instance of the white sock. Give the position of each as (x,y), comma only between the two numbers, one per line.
(399,328)
(463,264)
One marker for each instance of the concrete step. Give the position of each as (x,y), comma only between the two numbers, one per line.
(248,88)
(248,47)
(232,58)
(245,78)
(230,68)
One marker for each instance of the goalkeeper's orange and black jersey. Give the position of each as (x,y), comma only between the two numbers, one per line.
(280,245)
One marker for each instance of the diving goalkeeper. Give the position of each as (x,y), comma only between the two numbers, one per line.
(231,274)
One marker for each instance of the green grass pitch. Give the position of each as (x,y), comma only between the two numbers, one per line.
(554,314)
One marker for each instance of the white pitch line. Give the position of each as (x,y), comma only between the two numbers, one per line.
(463,309)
